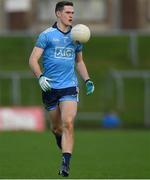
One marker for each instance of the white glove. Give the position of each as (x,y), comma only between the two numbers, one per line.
(44,83)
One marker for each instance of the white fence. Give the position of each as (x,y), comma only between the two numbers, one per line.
(15,92)
(119,77)
(15,84)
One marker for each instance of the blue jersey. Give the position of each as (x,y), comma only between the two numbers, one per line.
(59,57)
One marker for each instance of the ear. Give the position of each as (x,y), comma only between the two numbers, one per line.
(58,14)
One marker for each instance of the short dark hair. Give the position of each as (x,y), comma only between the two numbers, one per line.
(60,5)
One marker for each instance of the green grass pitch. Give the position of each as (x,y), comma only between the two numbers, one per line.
(97,154)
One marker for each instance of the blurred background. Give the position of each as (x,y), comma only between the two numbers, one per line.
(117,57)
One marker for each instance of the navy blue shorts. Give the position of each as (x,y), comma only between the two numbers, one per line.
(52,98)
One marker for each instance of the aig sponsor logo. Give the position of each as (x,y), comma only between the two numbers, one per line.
(67,53)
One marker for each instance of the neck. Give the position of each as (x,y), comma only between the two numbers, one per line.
(62,27)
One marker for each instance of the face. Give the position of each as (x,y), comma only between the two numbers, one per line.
(66,15)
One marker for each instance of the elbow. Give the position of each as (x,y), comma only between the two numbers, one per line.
(30,62)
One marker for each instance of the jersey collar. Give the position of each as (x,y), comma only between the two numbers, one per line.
(55,26)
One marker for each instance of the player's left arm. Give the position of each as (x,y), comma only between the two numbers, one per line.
(81,67)
(82,70)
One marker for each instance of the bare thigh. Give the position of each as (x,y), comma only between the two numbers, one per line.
(56,123)
(68,110)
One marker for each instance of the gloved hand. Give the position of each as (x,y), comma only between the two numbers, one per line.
(89,87)
(43,82)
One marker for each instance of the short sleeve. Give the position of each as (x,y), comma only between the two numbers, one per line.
(41,41)
(79,47)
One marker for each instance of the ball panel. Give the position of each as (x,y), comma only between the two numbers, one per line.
(80,33)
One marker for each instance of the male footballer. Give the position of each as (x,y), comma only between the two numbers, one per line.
(58,80)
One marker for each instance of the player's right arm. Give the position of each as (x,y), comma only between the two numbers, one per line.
(34,61)
(36,69)
(40,45)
